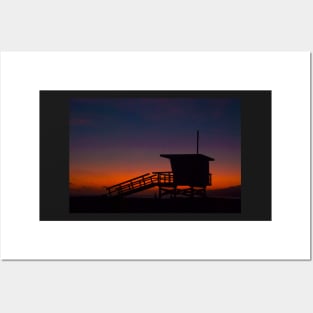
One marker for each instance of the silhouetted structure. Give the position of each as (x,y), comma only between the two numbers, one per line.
(191,171)
(141,183)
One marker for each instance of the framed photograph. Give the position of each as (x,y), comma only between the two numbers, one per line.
(155,155)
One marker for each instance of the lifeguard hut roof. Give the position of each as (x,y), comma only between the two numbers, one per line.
(186,157)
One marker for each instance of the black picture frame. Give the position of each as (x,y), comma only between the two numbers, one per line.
(255,154)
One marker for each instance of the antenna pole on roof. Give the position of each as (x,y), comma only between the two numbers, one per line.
(197,142)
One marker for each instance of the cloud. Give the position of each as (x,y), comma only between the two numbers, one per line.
(80,121)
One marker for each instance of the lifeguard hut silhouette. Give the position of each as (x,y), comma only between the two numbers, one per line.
(189,177)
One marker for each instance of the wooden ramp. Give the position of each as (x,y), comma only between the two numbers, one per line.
(140,183)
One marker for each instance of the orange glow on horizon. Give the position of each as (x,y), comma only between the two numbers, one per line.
(95,183)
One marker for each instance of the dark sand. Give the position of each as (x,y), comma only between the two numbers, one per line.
(99,204)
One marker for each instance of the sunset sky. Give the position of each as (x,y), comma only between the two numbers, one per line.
(115,139)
